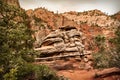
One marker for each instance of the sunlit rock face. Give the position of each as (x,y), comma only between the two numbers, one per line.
(60,44)
(92,17)
(64,40)
(64,43)
(92,23)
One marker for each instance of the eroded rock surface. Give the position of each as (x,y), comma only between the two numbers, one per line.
(64,43)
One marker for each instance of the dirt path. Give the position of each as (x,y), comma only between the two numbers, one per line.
(77,74)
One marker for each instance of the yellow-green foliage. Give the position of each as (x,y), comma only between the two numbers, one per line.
(11,75)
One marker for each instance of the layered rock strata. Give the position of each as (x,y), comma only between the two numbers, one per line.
(64,43)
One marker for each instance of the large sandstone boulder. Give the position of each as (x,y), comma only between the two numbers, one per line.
(64,40)
(63,43)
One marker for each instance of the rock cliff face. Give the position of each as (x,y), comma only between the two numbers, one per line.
(93,17)
(54,21)
(64,43)
(92,23)
(65,39)
(58,42)
(44,21)
(12,2)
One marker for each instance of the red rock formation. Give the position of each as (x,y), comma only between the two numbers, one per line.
(91,23)
(93,27)
(12,2)
(92,17)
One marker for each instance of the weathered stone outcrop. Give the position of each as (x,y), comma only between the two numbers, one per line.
(92,23)
(43,22)
(92,17)
(54,40)
(65,42)
(62,41)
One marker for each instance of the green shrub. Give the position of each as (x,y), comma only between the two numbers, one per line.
(109,57)
(16,47)
(42,72)
(16,42)
(30,71)
(99,40)
(25,71)
(101,60)
(11,75)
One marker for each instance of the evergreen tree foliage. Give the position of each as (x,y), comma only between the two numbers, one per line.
(16,43)
(16,47)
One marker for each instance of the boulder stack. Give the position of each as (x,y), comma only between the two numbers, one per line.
(64,43)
